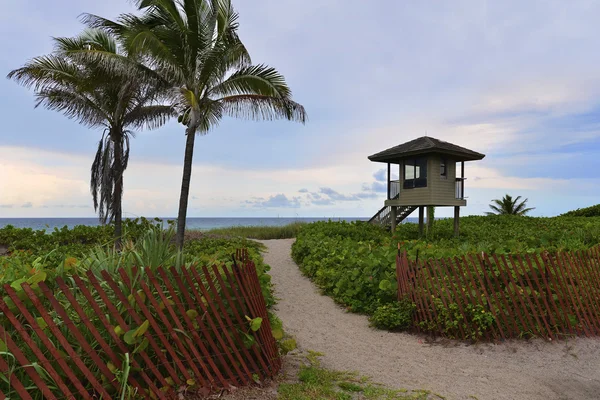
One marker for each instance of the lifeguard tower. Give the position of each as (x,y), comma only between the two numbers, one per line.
(427,172)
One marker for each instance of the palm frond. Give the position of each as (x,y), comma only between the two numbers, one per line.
(150,117)
(73,105)
(258,107)
(257,79)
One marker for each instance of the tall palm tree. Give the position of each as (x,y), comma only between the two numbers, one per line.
(70,80)
(194,44)
(509,206)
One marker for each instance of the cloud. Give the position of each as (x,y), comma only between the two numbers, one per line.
(6,206)
(376,187)
(27,205)
(303,190)
(381,175)
(333,195)
(276,201)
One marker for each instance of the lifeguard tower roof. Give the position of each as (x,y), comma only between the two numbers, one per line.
(425,145)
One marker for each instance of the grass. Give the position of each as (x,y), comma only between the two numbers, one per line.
(260,232)
(316,382)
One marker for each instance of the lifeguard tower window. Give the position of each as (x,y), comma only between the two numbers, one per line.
(443,170)
(415,173)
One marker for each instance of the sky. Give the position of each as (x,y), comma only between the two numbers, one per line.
(517,81)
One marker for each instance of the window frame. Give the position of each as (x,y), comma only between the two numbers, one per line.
(444,168)
(416,182)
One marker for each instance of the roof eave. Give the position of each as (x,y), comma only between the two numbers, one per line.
(394,158)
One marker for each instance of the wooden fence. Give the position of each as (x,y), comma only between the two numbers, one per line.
(481,296)
(158,332)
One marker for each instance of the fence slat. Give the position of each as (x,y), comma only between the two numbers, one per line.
(46,342)
(176,340)
(114,313)
(238,317)
(235,355)
(235,373)
(536,294)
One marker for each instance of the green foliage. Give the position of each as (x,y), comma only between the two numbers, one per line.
(36,256)
(592,211)
(356,263)
(450,321)
(393,316)
(261,232)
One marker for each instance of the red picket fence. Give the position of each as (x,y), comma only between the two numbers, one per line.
(481,296)
(161,332)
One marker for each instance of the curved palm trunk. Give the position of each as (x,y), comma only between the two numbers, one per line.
(185,185)
(118,189)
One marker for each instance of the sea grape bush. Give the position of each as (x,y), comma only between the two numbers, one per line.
(394,316)
(36,256)
(355,263)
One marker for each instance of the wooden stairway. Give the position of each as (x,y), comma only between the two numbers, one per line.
(383,217)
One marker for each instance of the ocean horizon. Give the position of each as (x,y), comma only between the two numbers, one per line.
(197,223)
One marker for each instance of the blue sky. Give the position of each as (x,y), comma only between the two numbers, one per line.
(518,81)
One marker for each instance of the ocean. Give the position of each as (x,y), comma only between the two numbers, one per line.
(49,224)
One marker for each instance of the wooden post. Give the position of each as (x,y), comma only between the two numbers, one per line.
(421,220)
(393,216)
(389,181)
(456,220)
(462,184)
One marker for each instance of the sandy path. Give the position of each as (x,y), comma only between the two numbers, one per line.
(512,370)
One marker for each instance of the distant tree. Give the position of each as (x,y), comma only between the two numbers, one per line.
(509,206)
(195,45)
(117,98)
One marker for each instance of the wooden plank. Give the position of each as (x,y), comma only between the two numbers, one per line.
(138,321)
(45,341)
(543,291)
(236,376)
(5,368)
(495,293)
(458,275)
(265,331)
(484,288)
(504,272)
(442,294)
(478,293)
(561,292)
(15,350)
(209,380)
(233,283)
(64,342)
(74,330)
(240,322)
(110,329)
(200,320)
(520,271)
(565,271)
(238,360)
(583,281)
(166,324)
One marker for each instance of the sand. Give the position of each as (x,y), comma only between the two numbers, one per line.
(534,369)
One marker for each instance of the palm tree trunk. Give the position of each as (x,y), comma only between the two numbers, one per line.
(185,185)
(118,190)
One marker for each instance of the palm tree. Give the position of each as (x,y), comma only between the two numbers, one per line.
(118,100)
(509,206)
(194,44)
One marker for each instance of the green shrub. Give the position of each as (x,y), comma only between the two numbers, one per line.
(261,232)
(37,256)
(394,316)
(355,263)
(593,211)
